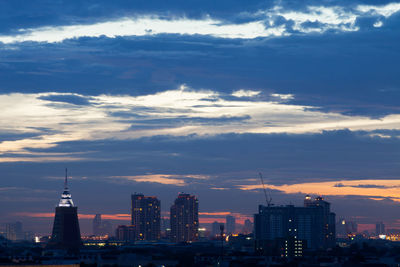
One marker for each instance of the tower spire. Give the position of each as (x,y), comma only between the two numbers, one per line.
(66,200)
(66,179)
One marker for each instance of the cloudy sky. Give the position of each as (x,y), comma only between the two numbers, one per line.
(199,97)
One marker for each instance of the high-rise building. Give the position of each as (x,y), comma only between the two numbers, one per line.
(145,217)
(97,225)
(276,226)
(14,231)
(328,220)
(230,225)
(66,233)
(380,228)
(185,219)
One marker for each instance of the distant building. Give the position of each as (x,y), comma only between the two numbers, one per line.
(101,227)
(185,219)
(14,231)
(125,233)
(280,228)
(230,225)
(216,229)
(66,233)
(165,228)
(380,228)
(248,227)
(345,228)
(97,225)
(145,217)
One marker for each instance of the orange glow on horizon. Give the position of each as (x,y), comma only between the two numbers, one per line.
(127,217)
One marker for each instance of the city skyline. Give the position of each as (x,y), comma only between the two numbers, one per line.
(199,97)
(151,211)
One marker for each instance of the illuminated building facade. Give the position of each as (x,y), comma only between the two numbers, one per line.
(281,228)
(145,217)
(66,232)
(185,219)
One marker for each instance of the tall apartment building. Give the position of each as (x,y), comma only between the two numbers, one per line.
(145,214)
(280,228)
(185,219)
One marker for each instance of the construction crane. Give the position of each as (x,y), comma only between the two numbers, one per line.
(268,199)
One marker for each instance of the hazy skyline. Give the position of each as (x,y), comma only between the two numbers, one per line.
(199,97)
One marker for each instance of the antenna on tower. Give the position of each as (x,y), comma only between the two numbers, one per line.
(66,178)
(268,199)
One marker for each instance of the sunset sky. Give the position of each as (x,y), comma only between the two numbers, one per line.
(161,97)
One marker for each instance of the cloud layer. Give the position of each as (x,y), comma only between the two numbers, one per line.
(52,118)
(274,22)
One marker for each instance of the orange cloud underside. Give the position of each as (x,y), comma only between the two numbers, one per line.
(386,188)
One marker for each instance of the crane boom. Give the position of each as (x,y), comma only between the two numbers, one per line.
(267,199)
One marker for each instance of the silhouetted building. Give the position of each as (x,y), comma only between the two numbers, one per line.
(185,219)
(66,233)
(146,217)
(312,226)
(125,233)
(14,231)
(380,228)
(230,225)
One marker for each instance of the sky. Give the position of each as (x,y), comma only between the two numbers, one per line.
(161,97)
